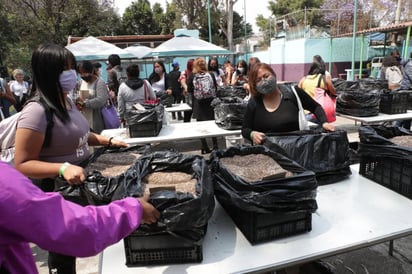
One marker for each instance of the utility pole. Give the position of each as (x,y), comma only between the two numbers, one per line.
(208,21)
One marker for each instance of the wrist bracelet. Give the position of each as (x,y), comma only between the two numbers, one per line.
(63,168)
(109,145)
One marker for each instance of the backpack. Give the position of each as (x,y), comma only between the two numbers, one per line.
(203,86)
(8,128)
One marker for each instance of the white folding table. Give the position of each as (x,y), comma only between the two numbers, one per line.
(178,107)
(352,214)
(380,118)
(174,132)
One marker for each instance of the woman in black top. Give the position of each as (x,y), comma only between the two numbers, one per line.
(274,108)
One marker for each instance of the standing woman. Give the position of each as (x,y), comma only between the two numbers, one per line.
(158,80)
(54,76)
(273,108)
(187,97)
(202,109)
(213,67)
(239,77)
(93,95)
(19,88)
(134,90)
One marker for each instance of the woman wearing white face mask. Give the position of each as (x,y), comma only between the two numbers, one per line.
(239,77)
(69,137)
(158,80)
(273,108)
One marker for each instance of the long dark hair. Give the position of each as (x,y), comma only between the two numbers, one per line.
(47,63)
(318,66)
(154,77)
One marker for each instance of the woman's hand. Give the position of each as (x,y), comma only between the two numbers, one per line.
(74,175)
(257,137)
(150,213)
(328,127)
(112,143)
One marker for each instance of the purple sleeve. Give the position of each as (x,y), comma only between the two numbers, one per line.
(54,224)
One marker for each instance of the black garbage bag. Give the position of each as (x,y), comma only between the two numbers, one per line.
(151,113)
(361,97)
(166,100)
(231,91)
(358,103)
(97,189)
(146,122)
(182,214)
(229,112)
(290,194)
(325,153)
(375,142)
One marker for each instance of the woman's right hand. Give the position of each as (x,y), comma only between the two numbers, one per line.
(257,137)
(150,213)
(74,175)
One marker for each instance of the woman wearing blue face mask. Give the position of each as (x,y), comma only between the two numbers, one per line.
(273,108)
(53,78)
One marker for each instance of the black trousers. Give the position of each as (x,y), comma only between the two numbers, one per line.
(61,264)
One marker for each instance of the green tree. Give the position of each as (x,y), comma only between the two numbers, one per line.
(36,22)
(139,19)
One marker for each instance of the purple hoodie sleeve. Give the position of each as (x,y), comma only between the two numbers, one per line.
(46,219)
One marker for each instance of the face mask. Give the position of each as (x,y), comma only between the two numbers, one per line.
(87,78)
(266,86)
(241,70)
(158,70)
(68,80)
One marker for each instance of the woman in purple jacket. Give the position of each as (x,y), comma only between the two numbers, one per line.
(29,215)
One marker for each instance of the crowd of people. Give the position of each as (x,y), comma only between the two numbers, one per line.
(56,132)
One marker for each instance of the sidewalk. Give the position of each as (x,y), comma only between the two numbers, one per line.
(371,260)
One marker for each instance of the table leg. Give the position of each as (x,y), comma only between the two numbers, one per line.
(391,247)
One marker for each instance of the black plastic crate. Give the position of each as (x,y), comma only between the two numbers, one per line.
(393,173)
(394,102)
(265,227)
(149,129)
(160,249)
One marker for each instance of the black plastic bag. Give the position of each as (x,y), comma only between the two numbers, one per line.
(166,100)
(296,193)
(182,214)
(357,103)
(325,153)
(152,113)
(360,98)
(231,91)
(229,112)
(97,189)
(375,142)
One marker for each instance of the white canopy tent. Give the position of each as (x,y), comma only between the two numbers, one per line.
(183,45)
(91,48)
(138,51)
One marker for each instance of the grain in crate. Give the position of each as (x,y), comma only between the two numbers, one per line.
(113,163)
(254,167)
(173,180)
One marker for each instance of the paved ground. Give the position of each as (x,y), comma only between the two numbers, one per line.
(372,260)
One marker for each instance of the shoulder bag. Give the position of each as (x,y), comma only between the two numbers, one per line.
(110,115)
(327,102)
(303,123)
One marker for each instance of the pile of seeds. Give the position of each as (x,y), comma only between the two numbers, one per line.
(254,167)
(174,180)
(403,140)
(113,164)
